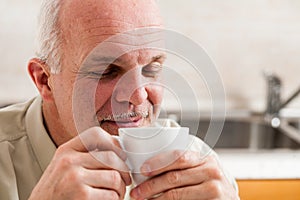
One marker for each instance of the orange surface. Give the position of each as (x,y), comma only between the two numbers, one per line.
(269,189)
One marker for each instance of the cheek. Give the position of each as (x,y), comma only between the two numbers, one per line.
(103,94)
(62,94)
(91,97)
(155,94)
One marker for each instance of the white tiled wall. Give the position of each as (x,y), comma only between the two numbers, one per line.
(243,37)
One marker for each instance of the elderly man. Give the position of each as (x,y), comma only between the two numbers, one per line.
(43,155)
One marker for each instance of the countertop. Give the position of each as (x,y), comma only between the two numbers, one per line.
(261,164)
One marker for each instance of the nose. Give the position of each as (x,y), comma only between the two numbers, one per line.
(131,88)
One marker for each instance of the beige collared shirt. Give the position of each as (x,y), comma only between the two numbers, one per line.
(26,149)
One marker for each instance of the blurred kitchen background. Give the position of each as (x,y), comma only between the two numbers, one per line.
(243,38)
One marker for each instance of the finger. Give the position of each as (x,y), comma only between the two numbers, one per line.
(116,142)
(176,179)
(197,192)
(108,179)
(105,160)
(96,193)
(171,160)
(95,139)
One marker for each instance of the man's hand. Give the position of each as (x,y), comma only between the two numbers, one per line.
(188,177)
(90,166)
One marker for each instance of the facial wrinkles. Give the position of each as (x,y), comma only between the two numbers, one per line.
(126,109)
(123,42)
(96,21)
(129,61)
(88,23)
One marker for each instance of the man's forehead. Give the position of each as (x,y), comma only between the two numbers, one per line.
(86,24)
(139,45)
(138,13)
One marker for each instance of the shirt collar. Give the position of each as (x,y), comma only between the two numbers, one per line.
(42,144)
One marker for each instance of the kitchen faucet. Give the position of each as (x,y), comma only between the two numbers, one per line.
(273,94)
(275,104)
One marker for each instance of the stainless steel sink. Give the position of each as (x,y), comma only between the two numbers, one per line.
(248,132)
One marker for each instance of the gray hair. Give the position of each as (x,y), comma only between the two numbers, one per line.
(49,37)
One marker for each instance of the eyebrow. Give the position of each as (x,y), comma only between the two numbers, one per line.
(94,61)
(161,56)
(108,59)
(104,59)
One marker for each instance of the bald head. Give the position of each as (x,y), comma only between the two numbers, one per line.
(130,13)
(63,22)
(85,24)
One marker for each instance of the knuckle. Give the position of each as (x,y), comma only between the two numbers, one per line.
(78,191)
(96,133)
(116,179)
(61,150)
(215,188)
(83,193)
(212,159)
(181,157)
(173,195)
(214,172)
(74,176)
(148,187)
(112,195)
(65,162)
(173,178)
(94,130)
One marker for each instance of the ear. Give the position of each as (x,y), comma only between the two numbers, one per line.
(40,76)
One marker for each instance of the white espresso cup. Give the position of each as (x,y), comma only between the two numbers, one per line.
(140,144)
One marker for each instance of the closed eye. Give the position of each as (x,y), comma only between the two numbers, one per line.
(152,70)
(110,72)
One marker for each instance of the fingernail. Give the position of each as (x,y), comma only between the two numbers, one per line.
(146,169)
(135,193)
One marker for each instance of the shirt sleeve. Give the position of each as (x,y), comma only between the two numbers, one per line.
(8,183)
